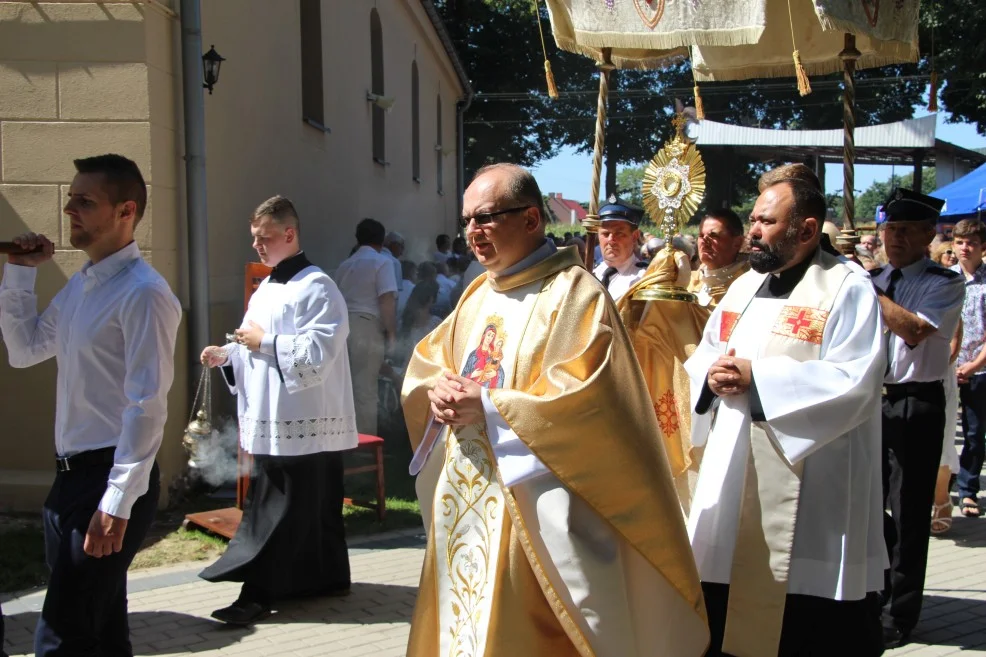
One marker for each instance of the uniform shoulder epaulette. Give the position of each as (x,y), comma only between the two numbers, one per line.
(942,271)
(876,272)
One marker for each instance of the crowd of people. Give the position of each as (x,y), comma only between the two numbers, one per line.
(738,444)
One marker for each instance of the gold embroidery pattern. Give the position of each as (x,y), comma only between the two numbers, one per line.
(806,324)
(473,522)
(650,11)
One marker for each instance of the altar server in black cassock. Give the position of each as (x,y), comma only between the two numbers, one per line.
(289,370)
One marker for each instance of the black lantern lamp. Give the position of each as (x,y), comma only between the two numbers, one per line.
(211,61)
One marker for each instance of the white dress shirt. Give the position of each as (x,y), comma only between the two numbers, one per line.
(935,295)
(402,298)
(626,275)
(363,277)
(398,267)
(112,331)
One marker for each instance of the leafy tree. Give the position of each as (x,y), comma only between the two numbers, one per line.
(877,193)
(512,118)
(955,28)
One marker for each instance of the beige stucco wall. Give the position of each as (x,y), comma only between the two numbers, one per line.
(79,79)
(258,145)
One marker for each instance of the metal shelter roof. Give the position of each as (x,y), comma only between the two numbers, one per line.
(889,143)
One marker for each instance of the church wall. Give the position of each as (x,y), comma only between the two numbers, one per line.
(79,79)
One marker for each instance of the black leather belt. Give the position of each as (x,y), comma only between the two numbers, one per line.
(913,388)
(92,458)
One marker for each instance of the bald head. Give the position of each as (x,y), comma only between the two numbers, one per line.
(515,185)
(503,216)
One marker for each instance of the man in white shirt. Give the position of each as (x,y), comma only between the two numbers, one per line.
(618,238)
(367,282)
(393,247)
(409,274)
(112,331)
(786,522)
(444,245)
(289,370)
(921,303)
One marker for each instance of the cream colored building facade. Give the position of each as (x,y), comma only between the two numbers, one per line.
(83,78)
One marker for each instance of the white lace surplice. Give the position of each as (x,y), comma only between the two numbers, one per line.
(294,396)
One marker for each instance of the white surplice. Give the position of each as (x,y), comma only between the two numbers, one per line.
(295,395)
(825,412)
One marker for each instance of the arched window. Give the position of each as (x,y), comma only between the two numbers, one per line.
(312,107)
(415,125)
(439,147)
(376,86)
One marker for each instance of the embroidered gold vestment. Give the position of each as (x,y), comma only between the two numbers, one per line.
(548,557)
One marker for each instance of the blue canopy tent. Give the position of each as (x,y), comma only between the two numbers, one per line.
(965,197)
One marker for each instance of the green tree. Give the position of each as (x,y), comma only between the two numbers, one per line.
(877,193)
(630,185)
(955,29)
(512,118)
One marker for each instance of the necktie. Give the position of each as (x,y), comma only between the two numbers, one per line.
(895,276)
(608,276)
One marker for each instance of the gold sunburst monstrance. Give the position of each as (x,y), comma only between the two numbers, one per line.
(674,183)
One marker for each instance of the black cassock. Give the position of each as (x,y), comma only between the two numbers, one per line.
(291,541)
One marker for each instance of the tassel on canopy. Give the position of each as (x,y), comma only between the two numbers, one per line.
(804,86)
(699,105)
(548,75)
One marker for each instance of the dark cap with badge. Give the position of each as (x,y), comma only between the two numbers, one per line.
(614,210)
(905,205)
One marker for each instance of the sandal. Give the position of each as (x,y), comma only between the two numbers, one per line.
(941,518)
(969,507)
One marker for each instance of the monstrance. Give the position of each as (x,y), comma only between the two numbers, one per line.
(674,185)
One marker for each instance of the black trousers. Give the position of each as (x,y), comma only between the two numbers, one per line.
(85,608)
(913,431)
(292,541)
(3,653)
(813,627)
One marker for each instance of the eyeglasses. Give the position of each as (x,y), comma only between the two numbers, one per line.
(487,217)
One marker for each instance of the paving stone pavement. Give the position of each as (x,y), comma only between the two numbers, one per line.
(170,607)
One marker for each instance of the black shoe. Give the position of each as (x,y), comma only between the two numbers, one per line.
(894,637)
(242,614)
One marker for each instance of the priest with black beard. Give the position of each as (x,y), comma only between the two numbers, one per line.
(786,522)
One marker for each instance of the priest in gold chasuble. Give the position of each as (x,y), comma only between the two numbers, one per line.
(664,333)
(553,526)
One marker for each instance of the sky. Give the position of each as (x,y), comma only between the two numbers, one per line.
(569,172)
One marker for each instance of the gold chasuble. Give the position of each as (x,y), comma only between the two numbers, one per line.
(586,555)
(664,334)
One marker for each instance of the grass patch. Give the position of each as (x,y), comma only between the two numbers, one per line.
(22,563)
(22,557)
(180,546)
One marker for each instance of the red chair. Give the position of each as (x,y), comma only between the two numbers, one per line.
(367,443)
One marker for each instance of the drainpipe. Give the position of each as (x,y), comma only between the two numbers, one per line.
(460,109)
(195,181)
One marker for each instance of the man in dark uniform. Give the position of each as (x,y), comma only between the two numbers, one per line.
(921,303)
(619,236)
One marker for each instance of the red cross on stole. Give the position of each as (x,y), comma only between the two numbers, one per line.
(807,324)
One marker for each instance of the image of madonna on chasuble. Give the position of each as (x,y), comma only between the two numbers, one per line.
(553,529)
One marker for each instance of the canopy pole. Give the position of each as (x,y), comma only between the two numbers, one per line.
(848,239)
(591,222)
